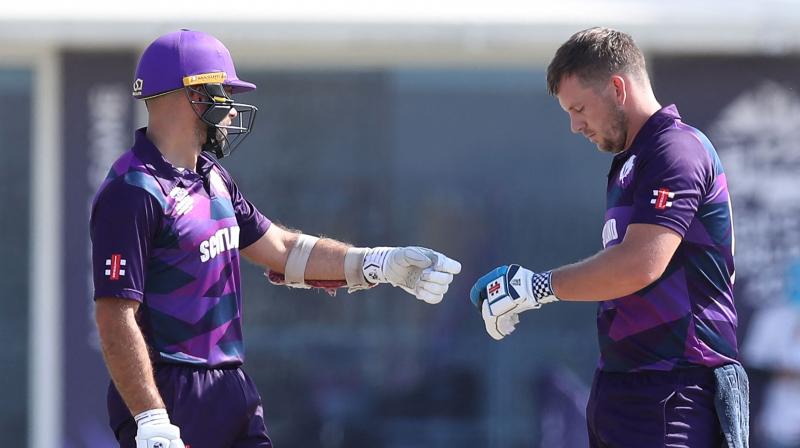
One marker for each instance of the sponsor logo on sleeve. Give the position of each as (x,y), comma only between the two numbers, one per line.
(116,267)
(662,198)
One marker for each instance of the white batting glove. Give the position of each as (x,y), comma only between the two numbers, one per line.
(156,431)
(507,291)
(421,272)
(500,326)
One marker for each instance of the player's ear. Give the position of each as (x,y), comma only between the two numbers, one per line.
(194,94)
(619,89)
(195,100)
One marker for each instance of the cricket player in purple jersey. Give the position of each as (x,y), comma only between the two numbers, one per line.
(168,227)
(668,374)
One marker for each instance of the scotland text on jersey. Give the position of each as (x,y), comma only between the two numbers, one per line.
(223,240)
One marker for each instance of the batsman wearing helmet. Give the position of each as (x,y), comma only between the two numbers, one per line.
(169,226)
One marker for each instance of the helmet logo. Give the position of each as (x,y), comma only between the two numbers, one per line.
(205,78)
(137,87)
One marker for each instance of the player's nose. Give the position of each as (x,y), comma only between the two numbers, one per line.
(576,125)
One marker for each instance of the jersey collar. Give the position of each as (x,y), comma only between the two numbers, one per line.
(662,119)
(164,172)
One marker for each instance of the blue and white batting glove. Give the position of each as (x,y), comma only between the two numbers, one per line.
(507,291)
(421,272)
(156,431)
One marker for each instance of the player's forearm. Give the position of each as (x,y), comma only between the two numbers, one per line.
(281,249)
(607,275)
(326,261)
(126,356)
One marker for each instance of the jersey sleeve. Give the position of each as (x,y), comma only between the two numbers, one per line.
(123,224)
(671,183)
(252,224)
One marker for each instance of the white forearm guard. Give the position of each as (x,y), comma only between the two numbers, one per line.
(297,260)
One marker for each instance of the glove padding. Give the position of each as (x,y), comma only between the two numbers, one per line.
(501,326)
(507,291)
(421,272)
(156,431)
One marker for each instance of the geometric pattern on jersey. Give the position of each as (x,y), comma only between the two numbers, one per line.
(180,233)
(163,278)
(221,209)
(672,176)
(177,335)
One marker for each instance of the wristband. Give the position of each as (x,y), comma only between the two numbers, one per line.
(152,417)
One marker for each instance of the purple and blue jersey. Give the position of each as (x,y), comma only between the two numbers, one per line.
(671,176)
(170,239)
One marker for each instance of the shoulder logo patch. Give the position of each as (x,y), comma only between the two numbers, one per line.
(626,173)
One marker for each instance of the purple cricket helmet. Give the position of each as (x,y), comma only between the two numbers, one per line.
(185,58)
(200,63)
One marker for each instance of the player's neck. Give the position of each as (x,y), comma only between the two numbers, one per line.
(174,146)
(640,112)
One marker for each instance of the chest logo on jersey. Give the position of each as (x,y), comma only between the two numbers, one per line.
(662,198)
(626,173)
(183,202)
(223,240)
(116,265)
(610,232)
